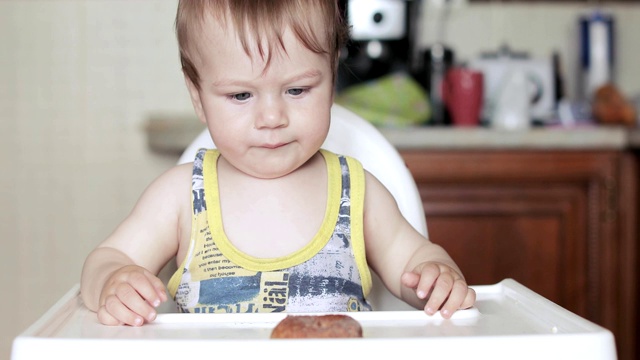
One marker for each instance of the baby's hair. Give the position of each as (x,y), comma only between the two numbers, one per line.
(258,20)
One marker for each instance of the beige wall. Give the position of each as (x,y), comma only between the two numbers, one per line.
(540,28)
(77,82)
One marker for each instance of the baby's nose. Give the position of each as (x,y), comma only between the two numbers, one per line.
(272,114)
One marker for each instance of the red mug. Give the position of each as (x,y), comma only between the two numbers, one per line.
(462,93)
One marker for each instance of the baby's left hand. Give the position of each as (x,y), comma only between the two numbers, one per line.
(445,289)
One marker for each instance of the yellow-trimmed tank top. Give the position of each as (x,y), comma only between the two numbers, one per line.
(329,274)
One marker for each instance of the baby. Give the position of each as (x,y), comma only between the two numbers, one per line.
(268,221)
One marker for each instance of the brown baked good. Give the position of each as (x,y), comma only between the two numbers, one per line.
(610,107)
(317,326)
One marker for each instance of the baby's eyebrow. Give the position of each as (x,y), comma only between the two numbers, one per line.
(309,74)
(313,73)
(228,82)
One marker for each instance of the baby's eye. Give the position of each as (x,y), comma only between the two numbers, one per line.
(241,96)
(296,91)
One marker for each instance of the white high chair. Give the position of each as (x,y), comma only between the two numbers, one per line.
(351,135)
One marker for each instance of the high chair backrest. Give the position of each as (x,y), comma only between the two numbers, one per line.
(351,135)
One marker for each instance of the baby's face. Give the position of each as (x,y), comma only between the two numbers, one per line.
(266,122)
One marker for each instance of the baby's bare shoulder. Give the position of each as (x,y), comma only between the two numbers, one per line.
(169,194)
(175,180)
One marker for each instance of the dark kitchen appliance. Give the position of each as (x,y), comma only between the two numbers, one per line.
(382,39)
(436,60)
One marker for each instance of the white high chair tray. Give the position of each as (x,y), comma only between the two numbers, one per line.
(508,321)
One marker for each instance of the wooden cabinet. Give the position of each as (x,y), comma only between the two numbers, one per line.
(560,222)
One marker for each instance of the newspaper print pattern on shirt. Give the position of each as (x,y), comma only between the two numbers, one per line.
(327,282)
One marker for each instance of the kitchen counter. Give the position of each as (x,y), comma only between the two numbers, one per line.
(448,138)
(173,135)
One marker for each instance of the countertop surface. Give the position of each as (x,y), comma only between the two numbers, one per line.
(447,138)
(173,136)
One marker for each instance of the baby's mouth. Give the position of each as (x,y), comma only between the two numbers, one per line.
(273,146)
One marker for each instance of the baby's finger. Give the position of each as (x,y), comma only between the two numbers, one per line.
(146,286)
(469,300)
(440,293)
(410,280)
(131,298)
(159,286)
(118,310)
(105,318)
(457,296)
(428,276)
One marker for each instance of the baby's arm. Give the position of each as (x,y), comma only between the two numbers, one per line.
(414,269)
(119,279)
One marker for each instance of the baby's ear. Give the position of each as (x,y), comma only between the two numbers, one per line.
(194,93)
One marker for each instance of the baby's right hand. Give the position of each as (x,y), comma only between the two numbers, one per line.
(130,296)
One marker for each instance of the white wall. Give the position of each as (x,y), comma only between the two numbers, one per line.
(77,82)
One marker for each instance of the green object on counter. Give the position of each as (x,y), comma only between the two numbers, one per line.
(394,100)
